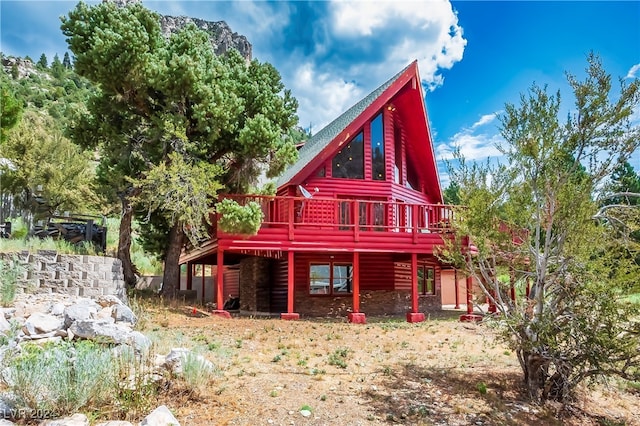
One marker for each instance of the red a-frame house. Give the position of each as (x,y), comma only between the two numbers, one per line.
(355,222)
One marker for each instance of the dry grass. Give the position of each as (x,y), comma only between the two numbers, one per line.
(439,372)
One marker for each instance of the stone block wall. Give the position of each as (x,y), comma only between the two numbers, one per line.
(255,284)
(77,275)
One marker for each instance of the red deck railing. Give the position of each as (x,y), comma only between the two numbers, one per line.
(348,215)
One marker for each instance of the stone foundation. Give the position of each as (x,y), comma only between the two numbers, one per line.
(77,275)
(372,303)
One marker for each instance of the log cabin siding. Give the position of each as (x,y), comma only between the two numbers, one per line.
(376,270)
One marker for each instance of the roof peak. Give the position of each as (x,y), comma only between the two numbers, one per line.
(320,140)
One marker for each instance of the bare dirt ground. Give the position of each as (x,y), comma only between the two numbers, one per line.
(327,372)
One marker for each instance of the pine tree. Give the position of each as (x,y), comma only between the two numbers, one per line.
(42,62)
(184,112)
(66,61)
(57,69)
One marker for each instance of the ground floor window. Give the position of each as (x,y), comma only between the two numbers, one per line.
(330,278)
(426,280)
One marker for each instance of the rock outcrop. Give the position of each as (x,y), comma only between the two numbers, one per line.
(21,67)
(220,34)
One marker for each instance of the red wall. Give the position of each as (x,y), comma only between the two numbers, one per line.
(376,270)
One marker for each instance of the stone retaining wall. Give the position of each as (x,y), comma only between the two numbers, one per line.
(77,275)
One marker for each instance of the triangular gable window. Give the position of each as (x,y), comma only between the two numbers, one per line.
(377,149)
(349,161)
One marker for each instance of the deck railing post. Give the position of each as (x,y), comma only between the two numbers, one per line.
(356,221)
(414,220)
(291,217)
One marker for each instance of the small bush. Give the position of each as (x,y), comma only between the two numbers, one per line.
(197,372)
(237,219)
(339,357)
(10,271)
(60,379)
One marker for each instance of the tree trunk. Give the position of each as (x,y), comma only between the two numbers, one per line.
(171,277)
(124,243)
(535,374)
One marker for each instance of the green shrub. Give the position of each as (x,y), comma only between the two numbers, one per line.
(60,379)
(237,219)
(197,373)
(339,357)
(10,271)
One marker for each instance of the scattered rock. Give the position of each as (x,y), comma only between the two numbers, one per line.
(104,330)
(80,312)
(138,341)
(109,300)
(41,323)
(75,420)
(161,416)
(122,313)
(176,357)
(4,324)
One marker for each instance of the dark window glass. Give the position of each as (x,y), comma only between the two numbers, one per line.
(349,161)
(330,278)
(342,278)
(320,279)
(377,149)
(426,280)
(397,140)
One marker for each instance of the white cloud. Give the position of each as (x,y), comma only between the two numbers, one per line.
(473,145)
(485,119)
(322,96)
(426,30)
(632,71)
(358,45)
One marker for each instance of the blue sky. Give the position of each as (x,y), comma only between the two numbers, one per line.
(473,55)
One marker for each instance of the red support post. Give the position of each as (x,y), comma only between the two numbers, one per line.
(456,288)
(290,315)
(356,316)
(414,315)
(356,282)
(470,316)
(220,286)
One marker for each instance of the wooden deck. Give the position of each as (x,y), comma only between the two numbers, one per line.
(327,224)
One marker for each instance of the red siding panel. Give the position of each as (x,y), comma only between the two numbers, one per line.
(376,269)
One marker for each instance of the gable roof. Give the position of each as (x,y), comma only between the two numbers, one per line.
(323,138)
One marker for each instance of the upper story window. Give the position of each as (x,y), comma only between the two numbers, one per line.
(377,149)
(349,161)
